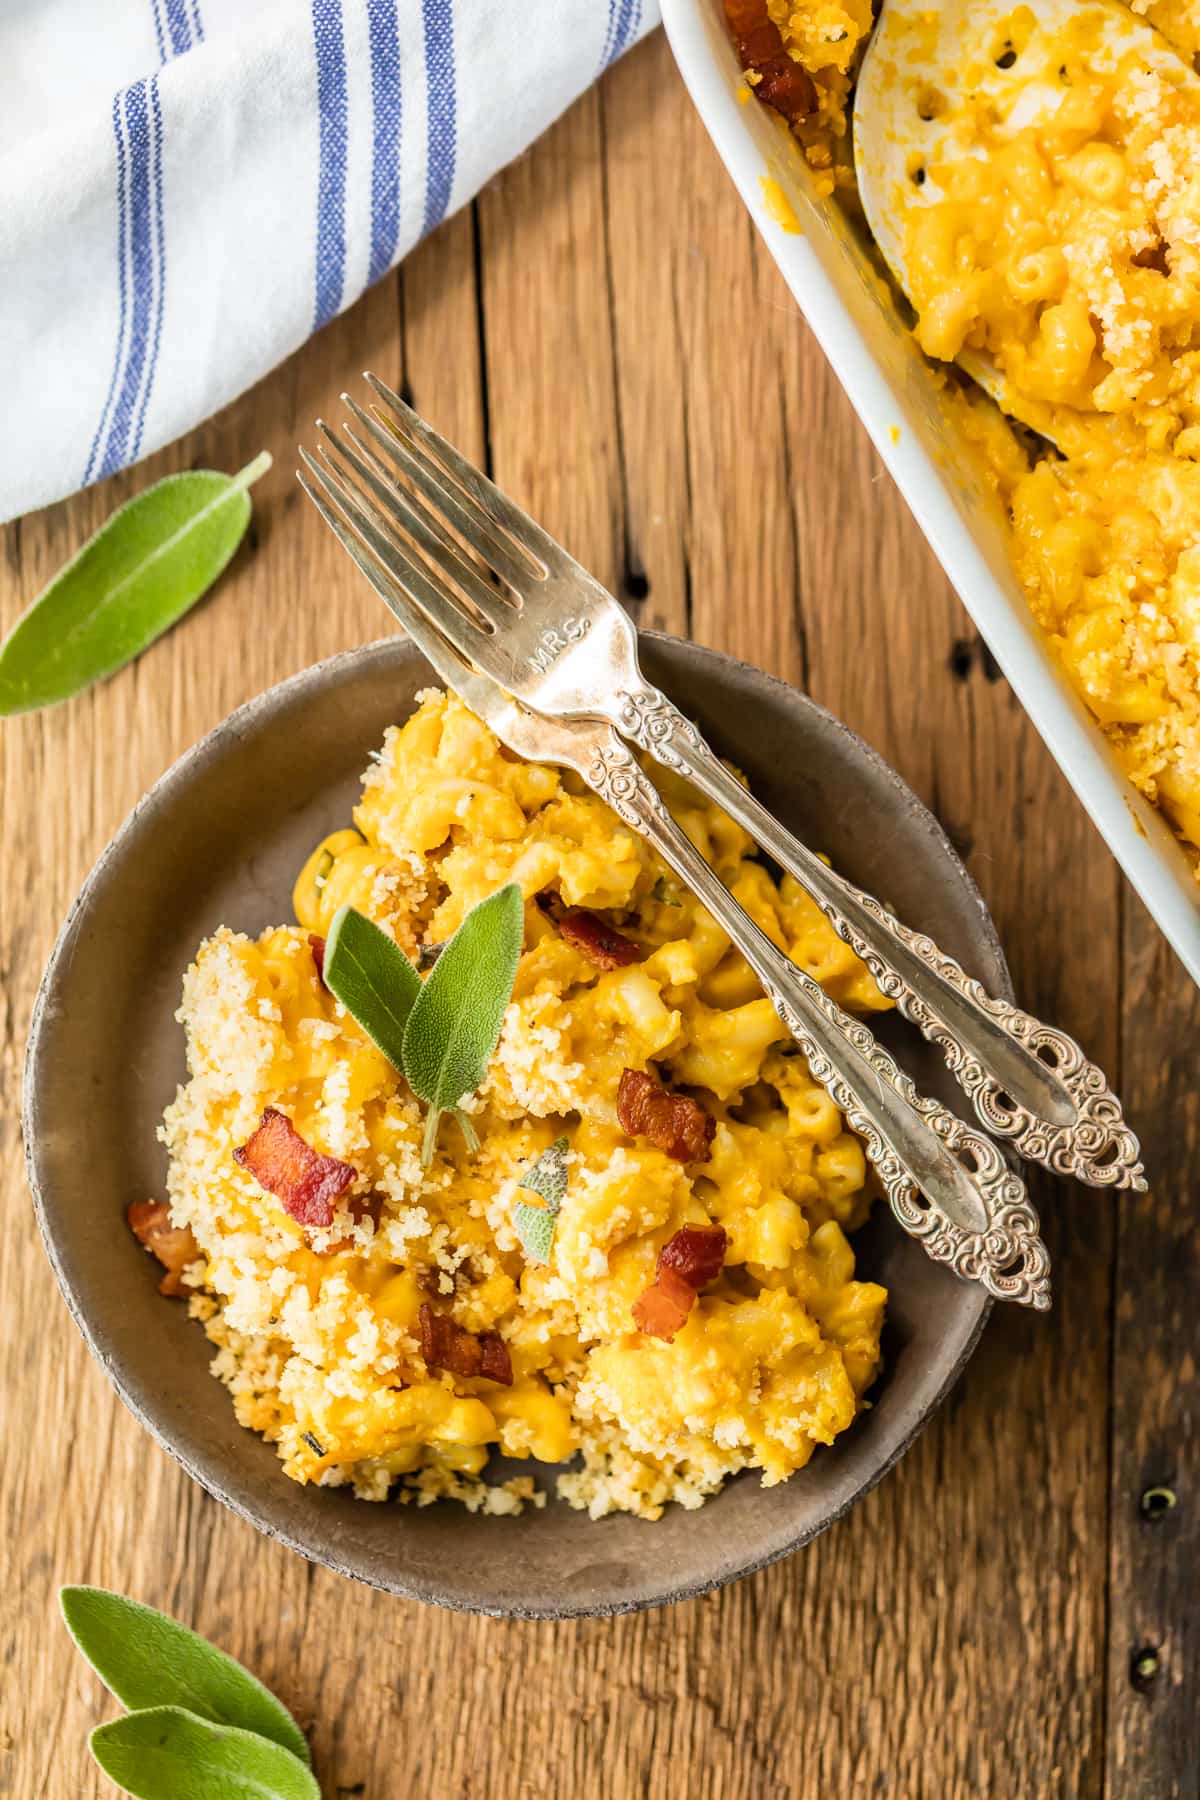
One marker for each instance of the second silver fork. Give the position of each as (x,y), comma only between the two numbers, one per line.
(535,621)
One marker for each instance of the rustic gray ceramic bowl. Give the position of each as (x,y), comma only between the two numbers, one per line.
(219,839)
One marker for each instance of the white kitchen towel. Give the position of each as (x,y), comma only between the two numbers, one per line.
(189,188)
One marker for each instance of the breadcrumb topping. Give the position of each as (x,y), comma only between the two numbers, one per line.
(317,1332)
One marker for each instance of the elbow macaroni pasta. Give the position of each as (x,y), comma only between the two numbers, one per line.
(1064,244)
(316,1331)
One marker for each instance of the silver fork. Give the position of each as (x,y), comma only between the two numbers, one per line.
(948,1185)
(551,635)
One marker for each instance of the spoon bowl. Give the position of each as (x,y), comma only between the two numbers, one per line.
(927,73)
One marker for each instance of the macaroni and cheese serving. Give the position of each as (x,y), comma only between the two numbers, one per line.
(1061,241)
(698,1312)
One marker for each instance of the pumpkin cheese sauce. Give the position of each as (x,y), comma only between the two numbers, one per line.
(1067,249)
(698,1312)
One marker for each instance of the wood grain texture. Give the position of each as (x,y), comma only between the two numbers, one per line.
(605,329)
(1154,1634)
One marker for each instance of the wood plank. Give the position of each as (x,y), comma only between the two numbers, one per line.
(442,352)
(547,341)
(706,452)
(1154,1633)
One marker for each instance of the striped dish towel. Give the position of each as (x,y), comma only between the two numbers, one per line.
(188,188)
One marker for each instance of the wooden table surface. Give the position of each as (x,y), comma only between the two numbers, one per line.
(998,1618)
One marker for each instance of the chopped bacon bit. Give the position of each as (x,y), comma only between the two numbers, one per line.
(596,939)
(496,1364)
(366,1206)
(317,946)
(302,1178)
(673,1122)
(696,1254)
(174,1245)
(689,1260)
(663,1308)
(782,83)
(1154,256)
(361,1206)
(467,1354)
(430,1277)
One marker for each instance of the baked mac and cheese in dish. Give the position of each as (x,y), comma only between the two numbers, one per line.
(1061,242)
(695,1310)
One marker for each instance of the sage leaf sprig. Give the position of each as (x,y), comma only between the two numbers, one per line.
(441,1034)
(455,1022)
(374,980)
(534,1225)
(129,583)
(198,1723)
(146,1658)
(168,1753)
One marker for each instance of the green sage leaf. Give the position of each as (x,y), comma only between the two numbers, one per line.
(455,1022)
(168,1753)
(148,1659)
(141,572)
(547,1175)
(372,978)
(534,1225)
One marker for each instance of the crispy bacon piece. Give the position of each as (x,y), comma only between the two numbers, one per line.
(447,1345)
(317,946)
(495,1362)
(696,1253)
(596,939)
(687,1261)
(673,1122)
(1153,256)
(302,1178)
(362,1206)
(429,1278)
(663,1308)
(174,1245)
(782,83)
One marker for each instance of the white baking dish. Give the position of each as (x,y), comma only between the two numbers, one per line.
(898,399)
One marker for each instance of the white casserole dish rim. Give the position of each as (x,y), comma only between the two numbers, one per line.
(895,395)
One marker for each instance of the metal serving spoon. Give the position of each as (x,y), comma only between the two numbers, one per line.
(928,64)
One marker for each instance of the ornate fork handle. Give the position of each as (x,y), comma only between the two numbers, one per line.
(948,1185)
(1029,1083)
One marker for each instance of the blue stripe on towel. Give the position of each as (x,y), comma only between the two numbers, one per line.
(442,109)
(197,22)
(331,173)
(160,271)
(623,22)
(609,33)
(173,29)
(139,132)
(179,26)
(101,427)
(624,19)
(385,150)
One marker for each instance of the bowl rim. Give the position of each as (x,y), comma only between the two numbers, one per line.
(1136,834)
(212,745)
